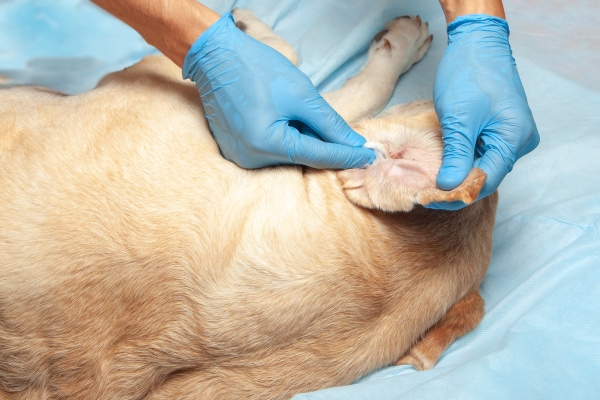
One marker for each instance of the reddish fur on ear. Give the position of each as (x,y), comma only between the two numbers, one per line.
(467,192)
(374,189)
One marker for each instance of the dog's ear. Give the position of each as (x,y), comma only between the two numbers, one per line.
(404,174)
(391,185)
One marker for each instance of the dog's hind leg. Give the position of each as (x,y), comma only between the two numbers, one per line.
(460,319)
(403,42)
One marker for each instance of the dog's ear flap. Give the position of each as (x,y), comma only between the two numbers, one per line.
(399,185)
(467,191)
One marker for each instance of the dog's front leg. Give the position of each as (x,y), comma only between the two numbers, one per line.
(393,51)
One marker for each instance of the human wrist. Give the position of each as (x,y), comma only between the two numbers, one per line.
(470,23)
(180,27)
(191,65)
(456,8)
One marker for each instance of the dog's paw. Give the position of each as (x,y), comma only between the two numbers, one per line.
(419,361)
(249,23)
(405,39)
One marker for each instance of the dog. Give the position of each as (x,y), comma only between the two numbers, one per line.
(136,262)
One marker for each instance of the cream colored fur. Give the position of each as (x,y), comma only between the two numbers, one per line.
(136,262)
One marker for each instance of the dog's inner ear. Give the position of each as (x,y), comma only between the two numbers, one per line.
(409,156)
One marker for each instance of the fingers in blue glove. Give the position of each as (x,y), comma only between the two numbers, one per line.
(310,151)
(254,98)
(311,109)
(327,141)
(457,160)
(480,101)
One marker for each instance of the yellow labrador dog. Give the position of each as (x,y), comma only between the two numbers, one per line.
(137,263)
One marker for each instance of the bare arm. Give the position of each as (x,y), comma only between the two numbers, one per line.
(169,25)
(456,8)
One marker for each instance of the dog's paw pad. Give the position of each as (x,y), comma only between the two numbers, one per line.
(406,37)
(380,35)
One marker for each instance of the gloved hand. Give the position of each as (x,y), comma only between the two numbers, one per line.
(263,110)
(480,102)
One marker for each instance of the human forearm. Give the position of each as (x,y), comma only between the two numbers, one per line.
(456,8)
(169,25)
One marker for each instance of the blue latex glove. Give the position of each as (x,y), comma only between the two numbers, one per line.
(263,110)
(480,102)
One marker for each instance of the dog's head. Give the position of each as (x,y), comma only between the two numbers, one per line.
(408,143)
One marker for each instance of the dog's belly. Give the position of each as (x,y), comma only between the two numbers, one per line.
(112,188)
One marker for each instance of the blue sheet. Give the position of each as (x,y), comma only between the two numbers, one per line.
(540,337)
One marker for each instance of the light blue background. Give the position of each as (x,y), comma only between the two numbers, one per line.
(540,337)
